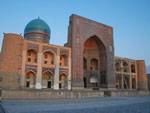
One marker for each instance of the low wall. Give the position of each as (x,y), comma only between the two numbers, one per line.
(48,94)
(126,93)
(40,94)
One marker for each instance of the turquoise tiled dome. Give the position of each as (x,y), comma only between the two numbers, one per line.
(37,25)
(37,30)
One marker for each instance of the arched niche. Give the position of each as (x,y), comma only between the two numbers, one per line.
(30,79)
(47,79)
(95,61)
(31,56)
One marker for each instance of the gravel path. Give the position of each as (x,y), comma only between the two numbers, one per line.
(92,105)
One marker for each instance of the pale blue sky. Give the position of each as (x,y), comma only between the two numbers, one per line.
(129,18)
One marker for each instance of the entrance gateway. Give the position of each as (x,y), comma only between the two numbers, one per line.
(92,53)
(94,63)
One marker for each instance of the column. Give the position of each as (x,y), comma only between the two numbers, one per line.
(56,76)
(130,75)
(136,77)
(69,69)
(111,79)
(39,69)
(122,76)
(122,81)
(23,74)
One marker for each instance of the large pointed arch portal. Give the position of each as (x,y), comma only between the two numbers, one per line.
(94,61)
(92,53)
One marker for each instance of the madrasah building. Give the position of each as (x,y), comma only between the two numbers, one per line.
(86,61)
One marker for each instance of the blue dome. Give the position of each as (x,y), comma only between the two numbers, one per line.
(37,25)
(37,30)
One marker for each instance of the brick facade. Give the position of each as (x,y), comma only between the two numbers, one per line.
(81,29)
(23,63)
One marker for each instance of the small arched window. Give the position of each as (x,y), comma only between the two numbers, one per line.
(133,68)
(94,64)
(63,81)
(31,56)
(125,64)
(48,58)
(63,60)
(117,66)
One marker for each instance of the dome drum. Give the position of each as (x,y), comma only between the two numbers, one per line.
(34,36)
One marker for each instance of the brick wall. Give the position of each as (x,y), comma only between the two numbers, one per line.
(11,60)
(142,77)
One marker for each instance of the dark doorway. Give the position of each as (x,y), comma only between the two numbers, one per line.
(133,83)
(49,85)
(60,85)
(85,82)
(27,84)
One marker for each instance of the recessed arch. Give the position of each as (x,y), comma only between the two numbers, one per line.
(132,68)
(47,79)
(49,57)
(63,81)
(63,60)
(95,53)
(31,56)
(98,38)
(30,79)
(47,70)
(50,50)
